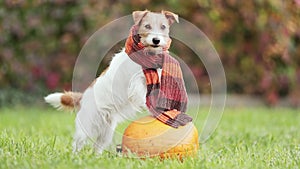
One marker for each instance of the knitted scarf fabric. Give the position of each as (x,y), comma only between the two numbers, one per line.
(166,99)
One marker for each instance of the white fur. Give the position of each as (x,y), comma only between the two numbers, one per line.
(150,37)
(116,96)
(54,100)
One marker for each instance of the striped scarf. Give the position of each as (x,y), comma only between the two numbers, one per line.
(166,100)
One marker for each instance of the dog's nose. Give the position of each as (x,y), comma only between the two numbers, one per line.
(155,41)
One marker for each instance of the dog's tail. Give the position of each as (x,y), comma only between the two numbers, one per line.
(66,100)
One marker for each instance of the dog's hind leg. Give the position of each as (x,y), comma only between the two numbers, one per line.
(80,138)
(104,139)
(85,121)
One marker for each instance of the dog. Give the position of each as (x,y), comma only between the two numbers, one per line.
(119,92)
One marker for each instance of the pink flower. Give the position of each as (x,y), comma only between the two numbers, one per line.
(52,80)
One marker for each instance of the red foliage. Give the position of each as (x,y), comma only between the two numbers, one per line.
(258,41)
(52,80)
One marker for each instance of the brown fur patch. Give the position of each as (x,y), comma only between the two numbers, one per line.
(71,99)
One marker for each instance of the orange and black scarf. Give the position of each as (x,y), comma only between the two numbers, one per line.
(166,100)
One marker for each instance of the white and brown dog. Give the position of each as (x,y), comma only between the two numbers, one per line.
(120,91)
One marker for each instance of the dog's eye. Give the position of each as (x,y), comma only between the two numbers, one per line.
(147,26)
(163,27)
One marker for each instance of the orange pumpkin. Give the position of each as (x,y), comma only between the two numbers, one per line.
(148,137)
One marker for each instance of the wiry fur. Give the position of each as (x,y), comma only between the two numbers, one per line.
(118,93)
(54,100)
(66,100)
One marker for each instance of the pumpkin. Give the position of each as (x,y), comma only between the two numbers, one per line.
(148,137)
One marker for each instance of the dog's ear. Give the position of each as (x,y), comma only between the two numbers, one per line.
(138,15)
(170,16)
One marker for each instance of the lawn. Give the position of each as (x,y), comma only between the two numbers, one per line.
(39,137)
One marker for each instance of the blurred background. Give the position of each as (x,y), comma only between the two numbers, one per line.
(258,42)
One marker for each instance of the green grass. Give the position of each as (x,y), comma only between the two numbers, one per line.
(32,137)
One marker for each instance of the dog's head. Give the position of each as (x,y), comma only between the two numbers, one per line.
(154,28)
